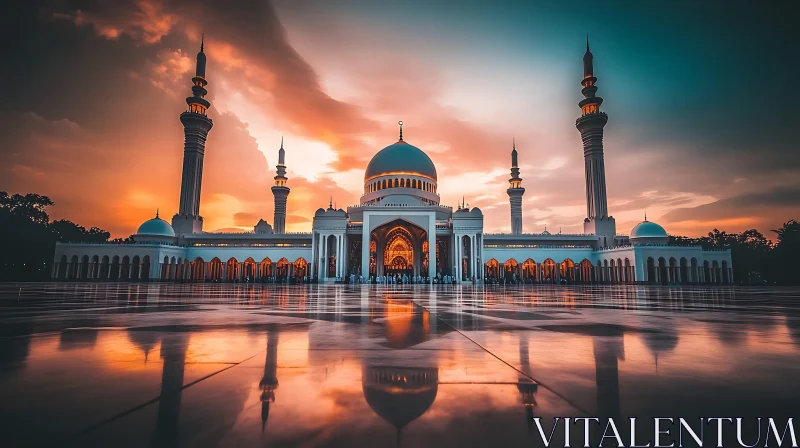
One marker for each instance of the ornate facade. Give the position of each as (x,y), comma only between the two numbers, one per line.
(398,228)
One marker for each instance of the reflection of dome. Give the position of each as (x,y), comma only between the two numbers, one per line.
(144,340)
(400,158)
(156,227)
(648,232)
(660,342)
(400,395)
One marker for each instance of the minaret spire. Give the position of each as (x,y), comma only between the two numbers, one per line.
(203,41)
(400,123)
(196,126)
(590,125)
(280,192)
(515,191)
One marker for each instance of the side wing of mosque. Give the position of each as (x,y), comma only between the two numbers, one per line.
(398,230)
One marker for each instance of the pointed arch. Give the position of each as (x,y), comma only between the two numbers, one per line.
(567,268)
(232,269)
(125,268)
(492,269)
(249,269)
(265,268)
(198,269)
(282,268)
(548,268)
(683,273)
(529,271)
(586,271)
(300,269)
(216,270)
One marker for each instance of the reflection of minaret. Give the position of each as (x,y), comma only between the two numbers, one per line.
(173,354)
(281,192)
(196,125)
(269,382)
(515,192)
(590,125)
(607,352)
(527,388)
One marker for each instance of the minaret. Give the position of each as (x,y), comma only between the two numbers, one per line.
(281,192)
(196,125)
(515,192)
(590,125)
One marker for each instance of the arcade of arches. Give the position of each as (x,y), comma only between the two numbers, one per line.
(607,271)
(687,271)
(176,268)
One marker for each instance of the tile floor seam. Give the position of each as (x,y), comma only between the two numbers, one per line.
(138,407)
(559,395)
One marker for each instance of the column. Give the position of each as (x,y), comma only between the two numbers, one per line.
(324,257)
(457,258)
(365,233)
(313,267)
(431,247)
(473,255)
(453,257)
(339,256)
(481,261)
(54,271)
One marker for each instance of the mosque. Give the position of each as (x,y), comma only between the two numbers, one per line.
(398,227)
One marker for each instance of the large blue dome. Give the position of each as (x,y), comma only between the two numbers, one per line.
(156,227)
(400,157)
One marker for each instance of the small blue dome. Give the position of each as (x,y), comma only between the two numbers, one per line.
(156,227)
(648,232)
(400,157)
(648,229)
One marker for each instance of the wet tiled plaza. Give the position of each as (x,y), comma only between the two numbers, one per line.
(240,365)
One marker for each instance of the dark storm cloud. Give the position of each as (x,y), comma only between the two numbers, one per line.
(783,202)
(699,94)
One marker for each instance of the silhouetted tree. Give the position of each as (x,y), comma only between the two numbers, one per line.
(786,256)
(28,238)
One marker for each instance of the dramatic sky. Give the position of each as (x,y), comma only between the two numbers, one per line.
(701,98)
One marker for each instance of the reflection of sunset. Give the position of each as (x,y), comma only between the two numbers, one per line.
(369,364)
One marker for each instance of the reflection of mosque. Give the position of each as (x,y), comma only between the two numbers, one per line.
(208,423)
(608,351)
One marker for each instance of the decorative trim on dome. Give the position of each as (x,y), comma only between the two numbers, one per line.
(399,173)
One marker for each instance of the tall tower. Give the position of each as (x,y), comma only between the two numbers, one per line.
(515,192)
(590,125)
(281,192)
(196,125)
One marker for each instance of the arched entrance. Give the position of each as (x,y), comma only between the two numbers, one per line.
(400,247)
(398,254)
